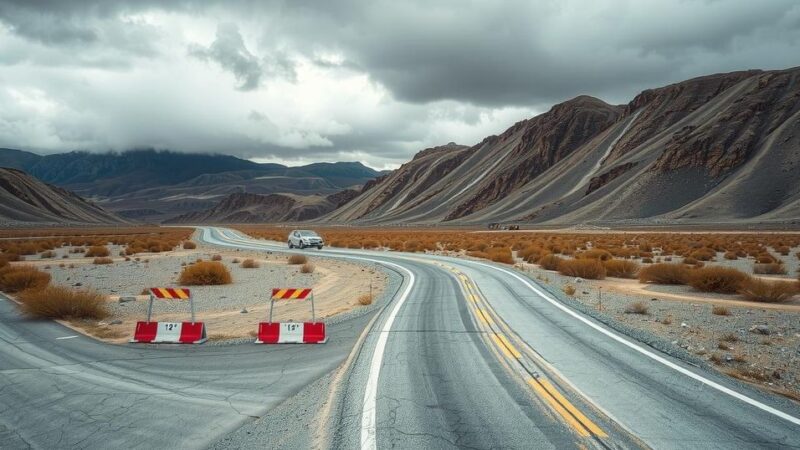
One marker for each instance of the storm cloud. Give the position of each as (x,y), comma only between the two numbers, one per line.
(375,81)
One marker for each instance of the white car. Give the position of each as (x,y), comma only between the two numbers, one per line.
(305,238)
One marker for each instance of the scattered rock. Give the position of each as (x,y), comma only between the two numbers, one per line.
(684,325)
(115,322)
(244,311)
(578,280)
(728,358)
(127,298)
(760,329)
(78,284)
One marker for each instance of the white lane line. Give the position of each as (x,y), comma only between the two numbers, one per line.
(370,404)
(66,337)
(650,354)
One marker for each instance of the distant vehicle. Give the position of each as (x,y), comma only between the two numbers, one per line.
(305,238)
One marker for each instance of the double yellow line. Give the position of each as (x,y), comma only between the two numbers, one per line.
(582,425)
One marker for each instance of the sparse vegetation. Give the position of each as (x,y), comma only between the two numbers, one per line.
(590,269)
(365,299)
(101,261)
(723,280)
(47,254)
(621,268)
(639,307)
(250,264)
(97,251)
(19,278)
(550,262)
(769,269)
(205,273)
(216,257)
(307,268)
(59,302)
(766,291)
(664,273)
(719,310)
(297,259)
(569,290)
(189,245)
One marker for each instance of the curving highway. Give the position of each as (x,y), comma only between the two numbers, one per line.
(466,354)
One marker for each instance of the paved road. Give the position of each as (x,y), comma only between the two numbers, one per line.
(60,391)
(439,384)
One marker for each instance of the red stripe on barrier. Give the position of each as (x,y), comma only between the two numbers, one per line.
(145,331)
(269,332)
(192,332)
(313,332)
(172,292)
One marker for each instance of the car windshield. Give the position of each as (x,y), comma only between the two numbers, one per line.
(308,234)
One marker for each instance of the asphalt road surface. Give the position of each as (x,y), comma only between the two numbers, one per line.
(467,354)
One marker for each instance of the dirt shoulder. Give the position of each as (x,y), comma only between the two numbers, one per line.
(229,311)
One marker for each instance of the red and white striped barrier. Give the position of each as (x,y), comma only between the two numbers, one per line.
(170,332)
(291,332)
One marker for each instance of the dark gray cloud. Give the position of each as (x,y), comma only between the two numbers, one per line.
(332,79)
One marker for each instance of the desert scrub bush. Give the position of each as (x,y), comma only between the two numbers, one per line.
(47,254)
(19,278)
(189,245)
(101,261)
(549,261)
(365,299)
(250,264)
(590,269)
(297,259)
(205,273)
(769,269)
(731,256)
(307,268)
(722,280)
(602,255)
(703,254)
(765,291)
(59,302)
(765,258)
(501,255)
(97,251)
(664,273)
(216,257)
(719,310)
(569,290)
(621,268)
(639,307)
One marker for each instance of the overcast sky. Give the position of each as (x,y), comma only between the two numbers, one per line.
(373,81)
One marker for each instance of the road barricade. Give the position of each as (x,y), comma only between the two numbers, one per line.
(291,332)
(170,332)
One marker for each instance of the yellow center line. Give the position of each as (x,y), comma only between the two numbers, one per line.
(559,409)
(510,347)
(591,426)
(503,348)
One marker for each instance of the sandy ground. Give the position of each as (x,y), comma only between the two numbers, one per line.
(229,311)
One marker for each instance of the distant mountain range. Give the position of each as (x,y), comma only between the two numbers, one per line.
(148,185)
(722,148)
(24,200)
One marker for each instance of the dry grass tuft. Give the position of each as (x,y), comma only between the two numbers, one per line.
(719,310)
(189,245)
(103,261)
(621,268)
(47,254)
(590,269)
(205,273)
(19,278)
(664,273)
(297,259)
(307,268)
(365,299)
(769,269)
(723,280)
(639,307)
(59,302)
(250,264)
(97,251)
(216,257)
(569,290)
(550,262)
(758,290)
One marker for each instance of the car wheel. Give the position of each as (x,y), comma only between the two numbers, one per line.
(319,247)
(291,245)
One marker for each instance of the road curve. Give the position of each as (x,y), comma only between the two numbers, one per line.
(441,386)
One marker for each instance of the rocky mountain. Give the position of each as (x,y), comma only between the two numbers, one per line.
(148,185)
(255,208)
(24,200)
(719,148)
